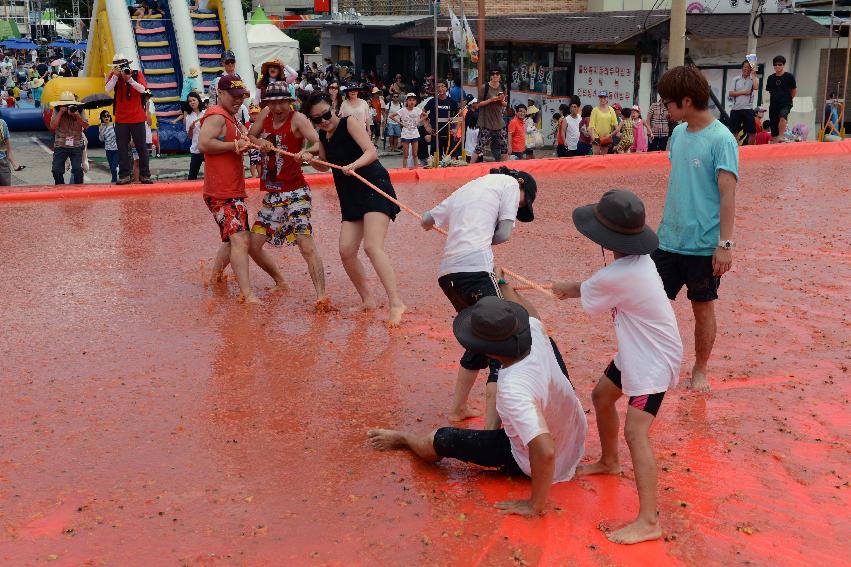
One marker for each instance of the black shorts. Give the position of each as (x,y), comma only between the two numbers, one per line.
(695,272)
(464,289)
(742,120)
(775,113)
(648,402)
(486,448)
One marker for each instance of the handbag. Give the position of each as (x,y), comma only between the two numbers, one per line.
(534,140)
(605,140)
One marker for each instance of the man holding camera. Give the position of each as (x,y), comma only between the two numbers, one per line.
(67,125)
(127,86)
(492,130)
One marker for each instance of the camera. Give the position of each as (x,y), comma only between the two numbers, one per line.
(73,108)
(125,68)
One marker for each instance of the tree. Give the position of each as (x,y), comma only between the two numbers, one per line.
(307,39)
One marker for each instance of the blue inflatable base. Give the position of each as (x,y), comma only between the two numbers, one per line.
(23,119)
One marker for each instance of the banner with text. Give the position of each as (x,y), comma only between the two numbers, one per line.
(595,72)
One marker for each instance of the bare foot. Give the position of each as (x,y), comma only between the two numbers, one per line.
(280,287)
(395,318)
(636,532)
(464,414)
(323,305)
(598,468)
(699,382)
(386,439)
(249,299)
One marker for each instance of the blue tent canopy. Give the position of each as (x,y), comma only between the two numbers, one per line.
(18,44)
(66,43)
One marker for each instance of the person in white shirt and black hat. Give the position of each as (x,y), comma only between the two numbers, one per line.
(544,425)
(650,350)
(477,216)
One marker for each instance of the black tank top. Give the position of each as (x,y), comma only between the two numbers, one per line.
(342,149)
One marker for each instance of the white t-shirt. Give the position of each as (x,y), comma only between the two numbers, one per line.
(194,118)
(650,350)
(152,111)
(471,215)
(358,110)
(393,108)
(410,120)
(534,396)
(571,131)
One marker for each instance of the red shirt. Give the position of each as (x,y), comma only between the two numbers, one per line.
(223,173)
(517,130)
(128,102)
(280,172)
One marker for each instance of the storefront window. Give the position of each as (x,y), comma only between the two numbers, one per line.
(532,68)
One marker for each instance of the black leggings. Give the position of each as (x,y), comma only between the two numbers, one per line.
(195,165)
(483,447)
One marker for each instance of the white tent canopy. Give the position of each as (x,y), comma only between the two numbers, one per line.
(266,41)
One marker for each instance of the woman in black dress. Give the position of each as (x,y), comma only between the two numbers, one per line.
(365,214)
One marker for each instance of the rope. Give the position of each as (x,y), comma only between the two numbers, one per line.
(529,283)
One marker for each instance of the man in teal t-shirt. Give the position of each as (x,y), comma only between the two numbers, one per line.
(695,235)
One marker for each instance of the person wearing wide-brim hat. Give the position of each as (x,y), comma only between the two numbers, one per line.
(477,216)
(544,425)
(650,350)
(67,125)
(271,72)
(285,216)
(355,106)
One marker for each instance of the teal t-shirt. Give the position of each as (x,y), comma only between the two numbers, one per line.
(691,223)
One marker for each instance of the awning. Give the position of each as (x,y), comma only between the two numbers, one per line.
(614,28)
(362,22)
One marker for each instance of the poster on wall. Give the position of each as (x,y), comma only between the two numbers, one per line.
(715,77)
(595,72)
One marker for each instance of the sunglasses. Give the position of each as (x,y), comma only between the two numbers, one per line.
(322,118)
(333,88)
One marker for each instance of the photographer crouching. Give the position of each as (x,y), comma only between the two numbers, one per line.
(127,85)
(67,125)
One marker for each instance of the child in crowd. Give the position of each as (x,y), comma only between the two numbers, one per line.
(410,118)
(584,147)
(764,135)
(640,131)
(106,134)
(254,156)
(650,351)
(625,131)
(517,132)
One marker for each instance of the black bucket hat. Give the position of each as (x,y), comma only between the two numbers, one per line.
(617,222)
(494,326)
(529,186)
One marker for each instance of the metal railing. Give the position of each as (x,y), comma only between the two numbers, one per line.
(387,7)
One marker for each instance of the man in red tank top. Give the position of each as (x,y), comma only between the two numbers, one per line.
(222,142)
(285,215)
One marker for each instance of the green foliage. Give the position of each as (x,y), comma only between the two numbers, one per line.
(307,39)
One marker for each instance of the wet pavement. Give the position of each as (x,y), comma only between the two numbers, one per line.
(149,419)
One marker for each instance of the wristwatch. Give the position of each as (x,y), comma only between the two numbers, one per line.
(726,244)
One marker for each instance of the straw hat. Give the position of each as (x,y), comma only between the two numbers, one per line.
(264,68)
(375,90)
(120,59)
(36,83)
(193,72)
(65,99)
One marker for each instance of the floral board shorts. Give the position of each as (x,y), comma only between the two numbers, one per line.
(284,215)
(231,215)
(495,140)
(254,156)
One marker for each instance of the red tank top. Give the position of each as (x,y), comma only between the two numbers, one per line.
(560,141)
(280,172)
(224,176)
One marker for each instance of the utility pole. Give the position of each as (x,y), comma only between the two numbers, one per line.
(481,29)
(752,39)
(677,41)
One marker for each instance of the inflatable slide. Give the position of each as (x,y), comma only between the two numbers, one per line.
(164,47)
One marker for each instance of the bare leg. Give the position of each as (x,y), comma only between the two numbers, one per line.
(492,420)
(604,396)
(220,263)
(374,231)
(239,244)
(647,525)
(415,146)
(265,261)
(705,328)
(351,234)
(388,439)
(307,247)
(781,126)
(463,384)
